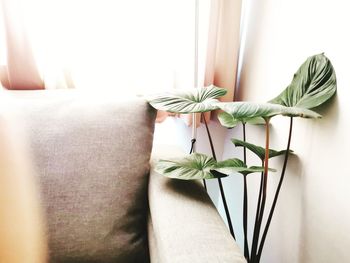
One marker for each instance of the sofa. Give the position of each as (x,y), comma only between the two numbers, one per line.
(101,200)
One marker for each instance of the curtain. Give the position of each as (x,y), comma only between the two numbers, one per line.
(113,45)
(17,73)
(117,45)
(219,42)
(223,47)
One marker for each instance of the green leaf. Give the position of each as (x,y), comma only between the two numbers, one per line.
(246,111)
(229,121)
(300,112)
(251,111)
(256,121)
(258,150)
(313,84)
(191,101)
(235,165)
(195,166)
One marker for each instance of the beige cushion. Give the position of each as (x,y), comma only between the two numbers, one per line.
(92,155)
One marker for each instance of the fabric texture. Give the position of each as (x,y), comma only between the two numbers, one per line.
(184,224)
(92,155)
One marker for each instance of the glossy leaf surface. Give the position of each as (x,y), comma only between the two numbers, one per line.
(258,150)
(195,166)
(229,121)
(249,111)
(313,84)
(191,101)
(235,165)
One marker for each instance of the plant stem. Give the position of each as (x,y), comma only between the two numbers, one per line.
(245,216)
(264,191)
(244,148)
(227,212)
(193,142)
(205,185)
(277,191)
(254,242)
(245,201)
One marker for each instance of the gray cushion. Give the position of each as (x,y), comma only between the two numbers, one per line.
(92,156)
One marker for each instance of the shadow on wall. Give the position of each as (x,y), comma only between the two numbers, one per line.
(285,217)
(309,211)
(329,111)
(249,38)
(286,222)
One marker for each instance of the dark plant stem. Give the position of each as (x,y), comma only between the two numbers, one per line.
(245,201)
(227,212)
(277,191)
(264,192)
(193,142)
(245,216)
(257,213)
(244,148)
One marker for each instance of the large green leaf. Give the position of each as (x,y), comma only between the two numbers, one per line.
(229,121)
(245,111)
(258,150)
(191,101)
(195,166)
(300,112)
(313,84)
(235,165)
(248,111)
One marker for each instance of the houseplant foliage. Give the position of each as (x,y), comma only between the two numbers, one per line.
(195,166)
(192,101)
(312,85)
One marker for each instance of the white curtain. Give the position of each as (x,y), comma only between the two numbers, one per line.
(115,45)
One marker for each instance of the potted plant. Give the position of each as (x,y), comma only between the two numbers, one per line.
(312,85)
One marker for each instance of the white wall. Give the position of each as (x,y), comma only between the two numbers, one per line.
(312,218)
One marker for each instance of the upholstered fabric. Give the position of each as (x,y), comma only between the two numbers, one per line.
(184,225)
(92,155)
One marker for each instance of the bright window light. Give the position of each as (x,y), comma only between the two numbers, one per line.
(115,44)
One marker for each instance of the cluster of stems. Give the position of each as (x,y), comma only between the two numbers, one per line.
(253,255)
(257,244)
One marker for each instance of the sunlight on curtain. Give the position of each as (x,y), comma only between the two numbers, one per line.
(3,49)
(3,56)
(115,45)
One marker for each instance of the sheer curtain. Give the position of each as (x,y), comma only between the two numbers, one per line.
(119,46)
(113,45)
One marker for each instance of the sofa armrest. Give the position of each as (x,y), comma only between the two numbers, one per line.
(184,225)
